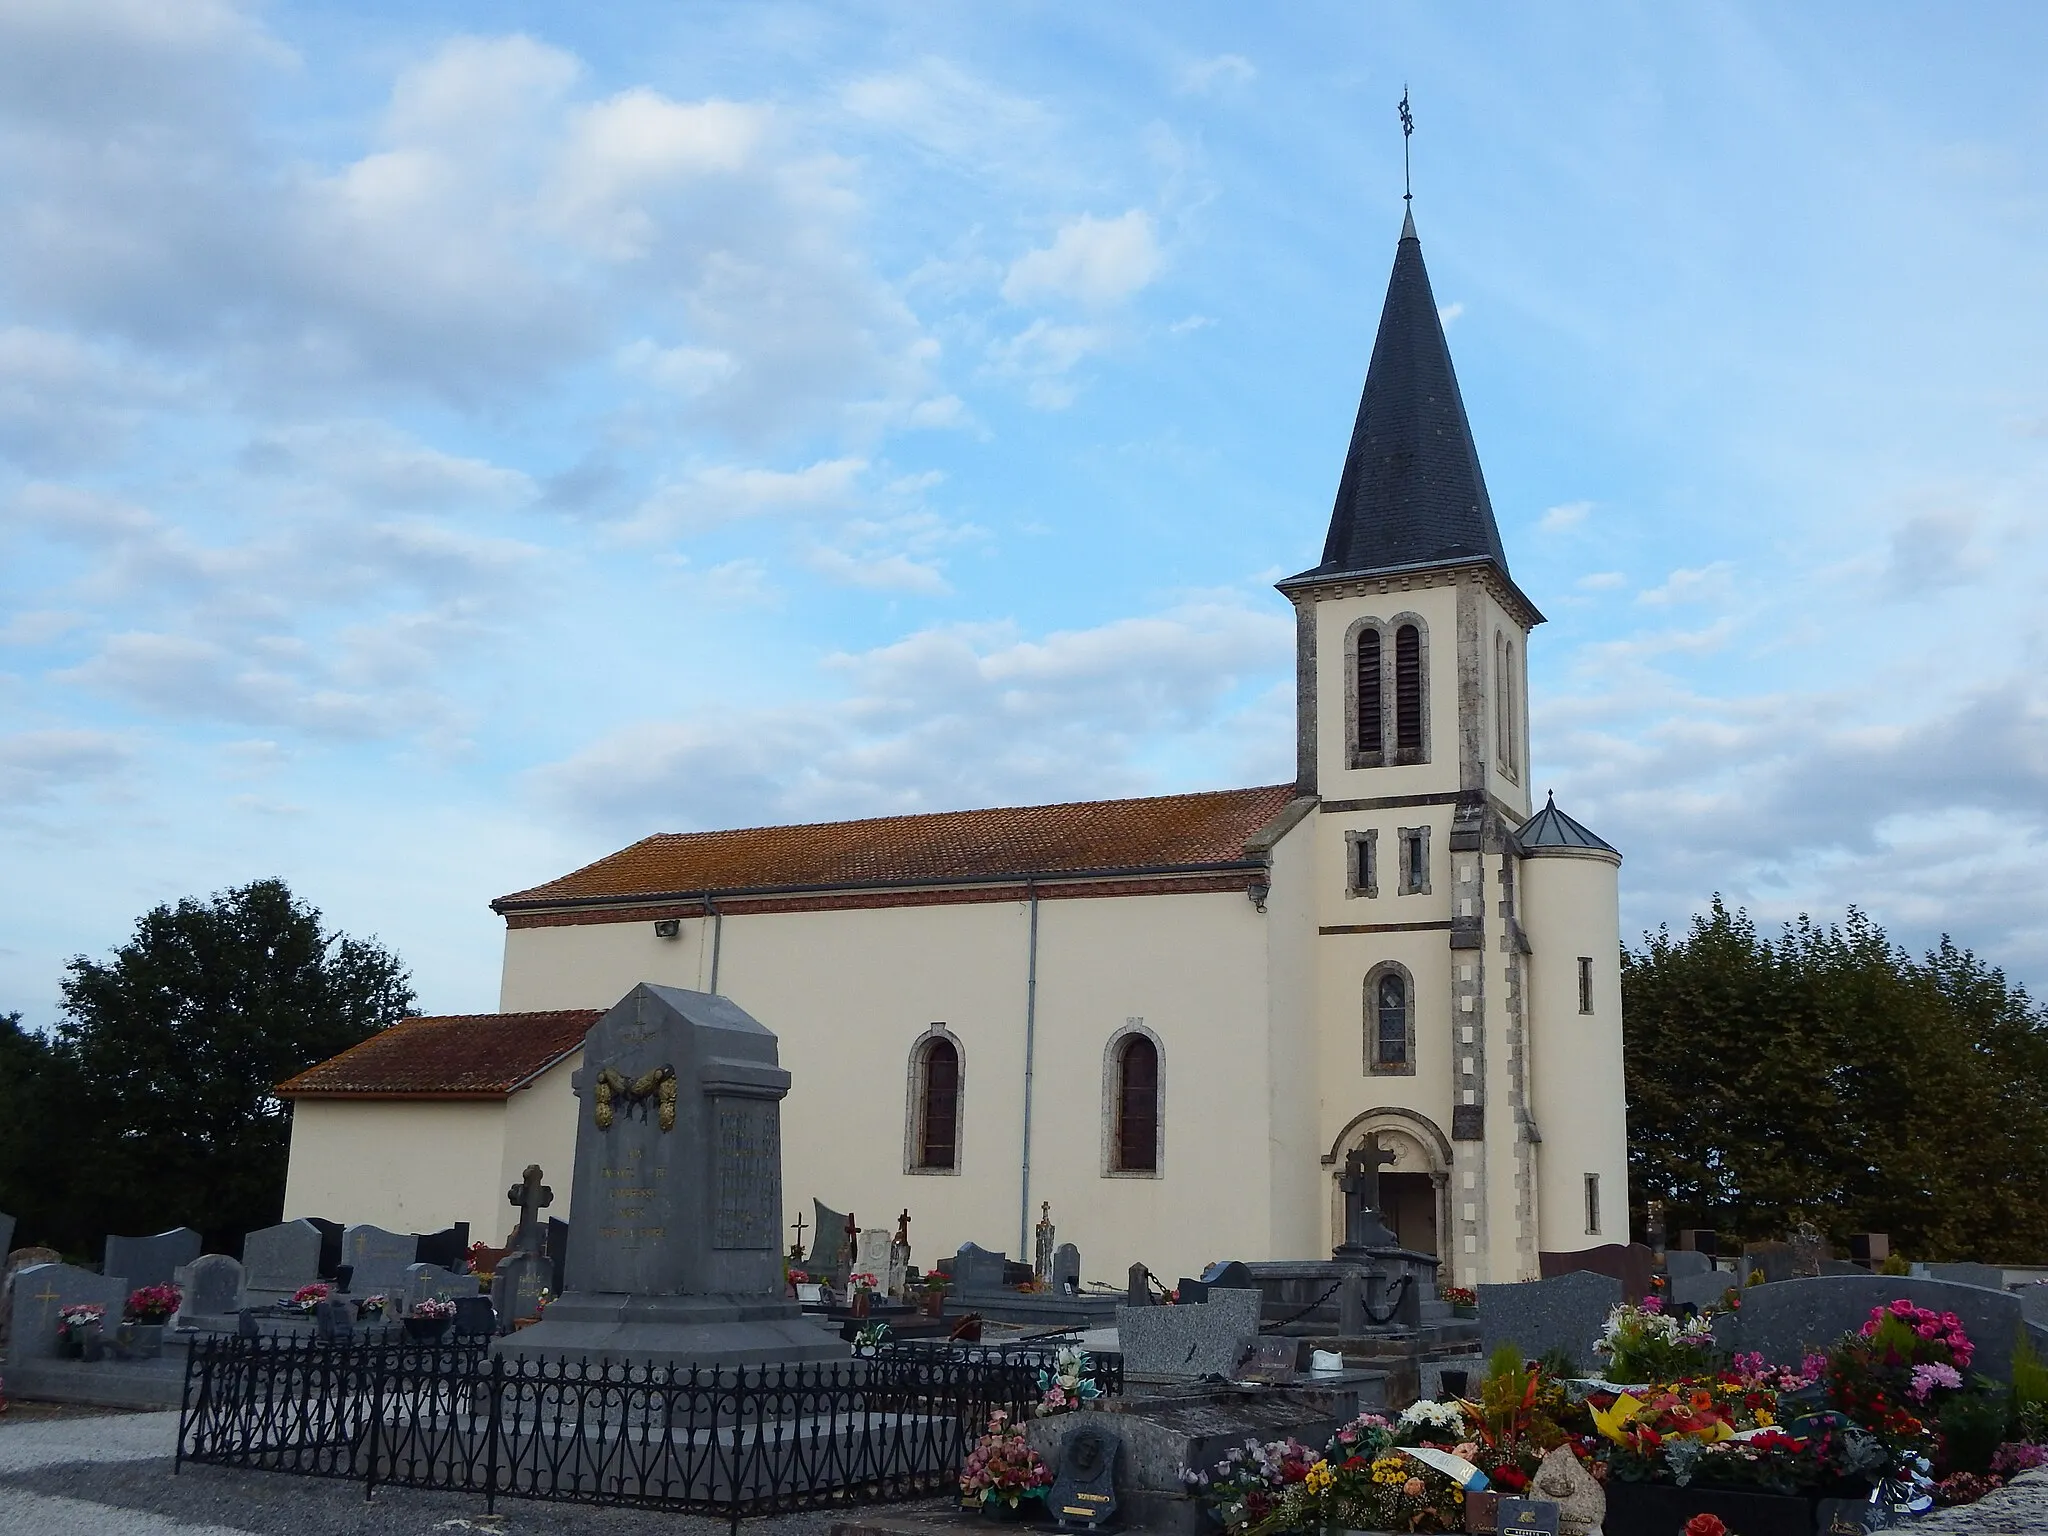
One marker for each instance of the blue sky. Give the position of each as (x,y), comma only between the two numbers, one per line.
(439,444)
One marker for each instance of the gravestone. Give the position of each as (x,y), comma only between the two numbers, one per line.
(517,1283)
(556,1247)
(1230,1272)
(1364,1230)
(6,1232)
(1188,1342)
(41,1291)
(377,1260)
(425,1280)
(151,1260)
(1628,1263)
(829,1253)
(1538,1316)
(1988,1276)
(1697,1240)
(210,1287)
(1066,1268)
(1680,1263)
(1773,1260)
(330,1260)
(531,1196)
(277,1260)
(1809,1251)
(1083,1492)
(1782,1322)
(871,1256)
(446,1249)
(333,1322)
(675,1254)
(1706,1288)
(2033,1299)
(977,1271)
(475,1317)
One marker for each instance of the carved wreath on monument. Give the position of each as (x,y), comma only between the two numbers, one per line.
(655,1089)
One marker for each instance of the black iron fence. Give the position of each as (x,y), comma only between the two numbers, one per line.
(728,1442)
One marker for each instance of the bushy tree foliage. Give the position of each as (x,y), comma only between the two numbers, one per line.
(1825,1075)
(158,1081)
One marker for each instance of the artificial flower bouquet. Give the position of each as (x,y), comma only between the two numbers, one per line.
(1002,1468)
(1459,1295)
(307,1297)
(1644,1343)
(433,1309)
(1361,1480)
(1896,1372)
(863,1284)
(152,1303)
(1068,1385)
(372,1306)
(74,1321)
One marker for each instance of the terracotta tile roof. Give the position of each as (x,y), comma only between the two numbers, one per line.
(452,1056)
(1084,837)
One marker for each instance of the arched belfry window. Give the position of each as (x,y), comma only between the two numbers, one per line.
(1371,717)
(932,1140)
(1389,1020)
(1133,1128)
(1408,690)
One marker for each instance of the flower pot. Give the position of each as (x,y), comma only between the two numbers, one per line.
(426,1330)
(862,1304)
(1463,1309)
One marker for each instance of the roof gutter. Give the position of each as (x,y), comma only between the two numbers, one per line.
(505,904)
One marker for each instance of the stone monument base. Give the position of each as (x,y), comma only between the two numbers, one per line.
(747,1331)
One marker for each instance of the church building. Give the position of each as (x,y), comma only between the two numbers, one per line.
(1172,1018)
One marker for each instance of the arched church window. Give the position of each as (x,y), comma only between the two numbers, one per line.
(1408,689)
(935,1109)
(1389,1020)
(1371,717)
(1137,1110)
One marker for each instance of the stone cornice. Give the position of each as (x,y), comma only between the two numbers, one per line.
(1405,578)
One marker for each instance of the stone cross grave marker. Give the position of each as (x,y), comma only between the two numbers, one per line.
(1809,1251)
(1361,1185)
(44,1290)
(1066,1268)
(277,1260)
(532,1197)
(150,1260)
(377,1259)
(211,1287)
(796,1249)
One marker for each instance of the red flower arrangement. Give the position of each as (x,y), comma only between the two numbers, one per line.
(152,1303)
(1705,1525)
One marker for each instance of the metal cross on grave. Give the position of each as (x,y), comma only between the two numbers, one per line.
(903,1229)
(532,1197)
(797,1248)
(1361,1185)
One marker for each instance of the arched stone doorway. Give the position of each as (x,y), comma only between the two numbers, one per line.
(1415,1189)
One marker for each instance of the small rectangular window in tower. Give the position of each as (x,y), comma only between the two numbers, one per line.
(1415,854)
(1364,874)
(1593,1204)
(1585,983)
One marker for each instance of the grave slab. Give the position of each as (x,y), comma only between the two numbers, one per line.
(277,1261)
(1188,1342)
(210,1286)
(1537,1316)
(151,1260)
(977,1271)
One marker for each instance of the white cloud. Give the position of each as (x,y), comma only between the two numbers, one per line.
(1568,515)
(1701,584)
(1042,355)
(1224,73)
(1091,261)
(1601,581)
(1932,551)
(1447,314)
(954,116)
(38,766)
(725,493)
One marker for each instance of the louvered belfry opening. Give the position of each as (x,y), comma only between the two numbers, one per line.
(939,1133)
(1371,723)
(1408,689)
(1137,1110)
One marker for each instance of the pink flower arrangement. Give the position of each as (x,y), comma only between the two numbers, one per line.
(1942,1329)
(863,1282)
(434,1309)
(153,1303)
(1002,1468)
(1927,1377)
(307,1297)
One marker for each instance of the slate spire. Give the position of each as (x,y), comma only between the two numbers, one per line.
(1411,492)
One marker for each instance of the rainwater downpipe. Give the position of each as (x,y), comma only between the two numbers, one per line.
(1030,1047)
(717,937)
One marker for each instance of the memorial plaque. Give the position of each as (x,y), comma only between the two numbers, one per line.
(1083,1492)
(1525,1515)
(1269,1359)
(749,1170)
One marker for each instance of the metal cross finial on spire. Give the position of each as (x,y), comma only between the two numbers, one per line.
(1407,133)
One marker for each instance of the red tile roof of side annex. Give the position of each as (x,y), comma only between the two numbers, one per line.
(1091,837)
(452,1056)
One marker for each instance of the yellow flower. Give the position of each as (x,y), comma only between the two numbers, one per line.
(1319,1477)
(1392,1471)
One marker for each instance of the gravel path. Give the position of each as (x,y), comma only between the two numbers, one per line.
(111,1476)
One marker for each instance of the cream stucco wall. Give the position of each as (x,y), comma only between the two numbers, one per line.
(406,1165)
(1580,1096)
(850,992)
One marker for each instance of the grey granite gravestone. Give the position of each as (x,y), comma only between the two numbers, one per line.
(430,1280)
(1783,1321)
(151,1260)
(516,1285)
(828,1241)
(675,1255)
(1066,1268)
(277,1260)
(6,1232)
(1188,1342)
(376,1259)
(1772,1260)
(1989,1276)
(41,1291)
(556,1247)
(1706,1288)
(2033,1299)
(209,1287)
(1538,1316)
(333,1322)
(976,1271)
(1682,1262)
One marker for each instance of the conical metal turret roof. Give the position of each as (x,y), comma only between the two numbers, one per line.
(1551,831)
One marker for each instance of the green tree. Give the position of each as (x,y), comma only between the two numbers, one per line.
(1827,1076)
(39,1127)
(179,1040)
